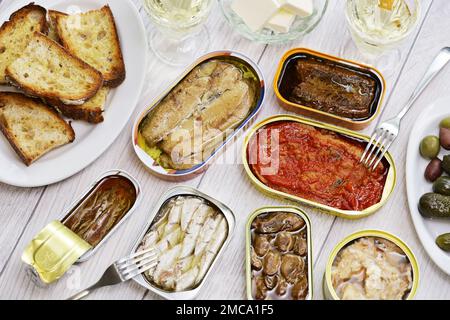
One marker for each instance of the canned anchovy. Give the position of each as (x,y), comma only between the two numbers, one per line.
(316,164)
(189,231)
(279,254)
(211,103)
(373,265)
(83,230)
(329,89)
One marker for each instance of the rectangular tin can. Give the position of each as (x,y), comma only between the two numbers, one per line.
(321,115)
(248,244)
(328,290)
(184,175)
(59,242)
(115,172)
(184,191)
(388,188)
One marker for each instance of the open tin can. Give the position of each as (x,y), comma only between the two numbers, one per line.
(349,214)
(303,234)
(286,80)
(159,214)
(328,288)
(75,239)
(151,155)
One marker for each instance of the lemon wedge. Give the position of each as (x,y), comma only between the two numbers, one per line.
(386,4)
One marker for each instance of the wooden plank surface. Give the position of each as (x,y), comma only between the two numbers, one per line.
(25,211)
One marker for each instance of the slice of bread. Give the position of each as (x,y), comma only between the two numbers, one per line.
(31,127)
(91,111)
(92,37)
(52,32)
(46,70)
(17,32)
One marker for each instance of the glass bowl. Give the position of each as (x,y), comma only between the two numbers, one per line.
(300,27)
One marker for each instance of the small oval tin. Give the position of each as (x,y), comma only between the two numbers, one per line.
(184,175)
(349,123)
(388,188)
(248,242)
(62,246)
(184,191)
(328,290)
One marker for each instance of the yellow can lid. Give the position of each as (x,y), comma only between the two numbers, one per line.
(53,251)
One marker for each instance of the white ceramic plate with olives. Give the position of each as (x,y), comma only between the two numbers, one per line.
(429,225)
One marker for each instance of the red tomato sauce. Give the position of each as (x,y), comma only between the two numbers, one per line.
(315,164)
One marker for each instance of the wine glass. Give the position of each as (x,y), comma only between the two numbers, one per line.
(380,26)
(180,34)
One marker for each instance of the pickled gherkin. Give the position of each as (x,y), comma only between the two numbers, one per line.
(446,164)
(434,205)
(442,186)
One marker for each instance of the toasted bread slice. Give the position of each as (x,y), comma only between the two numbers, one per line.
(52,32)
(92,37)
(48,71)
(17,32)
(31,127)
(91,111)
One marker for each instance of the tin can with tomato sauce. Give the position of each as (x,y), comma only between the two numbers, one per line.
(303,234)
(353,96)
(328,159)
(389,247)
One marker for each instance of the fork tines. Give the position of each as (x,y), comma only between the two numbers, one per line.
(376,149)
(137,263)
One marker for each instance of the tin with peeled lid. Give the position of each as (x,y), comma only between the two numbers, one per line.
(88,223)
(189,231)
(388,269)
(281,240)
(204,111)
(316,164)
(329,88)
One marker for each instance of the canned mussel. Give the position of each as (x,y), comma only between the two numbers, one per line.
(371,265)
(86,226)
(189,231)
(279,263)
(211,103)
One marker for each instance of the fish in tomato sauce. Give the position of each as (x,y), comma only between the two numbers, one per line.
(315,164)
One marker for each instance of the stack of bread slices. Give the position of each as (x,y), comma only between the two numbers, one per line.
(63,66)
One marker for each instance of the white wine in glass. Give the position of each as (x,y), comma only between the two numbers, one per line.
(180,34)
(381,25)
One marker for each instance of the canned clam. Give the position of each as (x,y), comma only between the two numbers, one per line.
(371,264)
(87,225)
(279,254)
(189,231)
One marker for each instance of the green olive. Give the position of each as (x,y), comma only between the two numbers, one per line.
(443,242)
(430,147)
(445,123)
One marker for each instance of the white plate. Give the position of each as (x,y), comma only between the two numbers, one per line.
(427,229)
(91,140)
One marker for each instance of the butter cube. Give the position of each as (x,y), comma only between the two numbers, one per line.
(256,13)
(282,21)
(302,8)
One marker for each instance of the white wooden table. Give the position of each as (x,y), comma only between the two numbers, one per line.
(24,212)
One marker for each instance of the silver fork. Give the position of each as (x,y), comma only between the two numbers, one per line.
(123,270)
(386,133)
